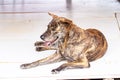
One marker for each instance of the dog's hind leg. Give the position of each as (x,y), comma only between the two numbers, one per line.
(82,63)
(51,59)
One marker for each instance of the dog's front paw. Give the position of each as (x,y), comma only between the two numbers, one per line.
(24,66)
(38,43)
(39,49)
(55,71)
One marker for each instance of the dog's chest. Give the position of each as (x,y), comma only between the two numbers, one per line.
(71,52)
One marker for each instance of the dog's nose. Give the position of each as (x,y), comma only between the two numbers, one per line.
(42,37)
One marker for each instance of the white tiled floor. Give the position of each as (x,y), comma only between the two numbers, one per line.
(20,28)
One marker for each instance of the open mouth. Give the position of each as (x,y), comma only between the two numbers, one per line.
(48,43)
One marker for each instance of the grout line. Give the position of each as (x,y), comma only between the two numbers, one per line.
(19,12)
(117,21)
(1,62)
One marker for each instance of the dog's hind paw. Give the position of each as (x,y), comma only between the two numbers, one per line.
(55,71)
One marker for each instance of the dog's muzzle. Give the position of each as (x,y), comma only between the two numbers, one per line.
(48,43)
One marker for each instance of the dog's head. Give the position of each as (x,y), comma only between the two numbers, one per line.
(57,29)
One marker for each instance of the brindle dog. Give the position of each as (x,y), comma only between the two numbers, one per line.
(73,44)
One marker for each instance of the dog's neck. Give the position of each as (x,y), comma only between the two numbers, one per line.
(76,34)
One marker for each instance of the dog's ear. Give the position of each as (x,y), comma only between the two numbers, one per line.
(61,19)
(65,20)
(53,15)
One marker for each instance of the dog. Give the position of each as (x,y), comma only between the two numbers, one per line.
(75,45)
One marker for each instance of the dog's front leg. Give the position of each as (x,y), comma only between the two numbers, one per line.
(40,46)
(44,48)
(82,63)
(51,59)
(39,43)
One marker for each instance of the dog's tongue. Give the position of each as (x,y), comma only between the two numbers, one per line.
(47,43)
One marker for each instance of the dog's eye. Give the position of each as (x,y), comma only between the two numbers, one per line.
(50,27)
